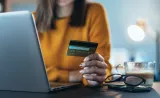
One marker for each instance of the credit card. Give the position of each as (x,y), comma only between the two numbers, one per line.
(81,48)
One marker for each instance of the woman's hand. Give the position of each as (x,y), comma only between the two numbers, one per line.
(94,69)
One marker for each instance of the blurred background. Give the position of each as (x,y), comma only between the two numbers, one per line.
(134,27)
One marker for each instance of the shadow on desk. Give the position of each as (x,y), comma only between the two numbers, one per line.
(83,93)
(108,93)
(152,94)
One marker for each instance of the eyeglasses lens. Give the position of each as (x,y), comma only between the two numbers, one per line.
(133,80)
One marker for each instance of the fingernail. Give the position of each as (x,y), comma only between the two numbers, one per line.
(82,65)
(86,59)
(84,76)
(82,71)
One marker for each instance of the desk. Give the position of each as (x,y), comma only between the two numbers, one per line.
(85,93)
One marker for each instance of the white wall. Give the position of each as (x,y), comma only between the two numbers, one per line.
(123,13)
(28,5)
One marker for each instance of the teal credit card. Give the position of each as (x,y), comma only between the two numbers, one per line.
(81,48)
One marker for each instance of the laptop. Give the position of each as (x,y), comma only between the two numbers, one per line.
(21,64)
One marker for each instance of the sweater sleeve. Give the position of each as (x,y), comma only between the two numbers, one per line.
(99,32)
(58,75)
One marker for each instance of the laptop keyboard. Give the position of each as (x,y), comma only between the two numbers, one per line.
(61,86)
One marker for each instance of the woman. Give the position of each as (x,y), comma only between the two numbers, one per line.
(58,22)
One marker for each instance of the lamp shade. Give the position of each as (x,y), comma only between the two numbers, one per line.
(136,33)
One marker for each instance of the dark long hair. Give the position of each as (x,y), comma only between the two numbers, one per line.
(46,14)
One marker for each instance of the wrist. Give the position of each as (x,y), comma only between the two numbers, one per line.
(75,76)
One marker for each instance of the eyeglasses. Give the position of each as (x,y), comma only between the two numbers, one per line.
(129,80)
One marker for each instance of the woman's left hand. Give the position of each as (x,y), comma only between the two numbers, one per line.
(94,69)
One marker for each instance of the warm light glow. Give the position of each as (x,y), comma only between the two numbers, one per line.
(136,33)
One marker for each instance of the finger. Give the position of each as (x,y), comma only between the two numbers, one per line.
(94,63)
(92,83)
(97,78)
(93,70)
(95,56)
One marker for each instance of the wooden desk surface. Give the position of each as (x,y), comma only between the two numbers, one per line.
(85,93)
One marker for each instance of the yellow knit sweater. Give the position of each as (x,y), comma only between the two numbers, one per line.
(54,43)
